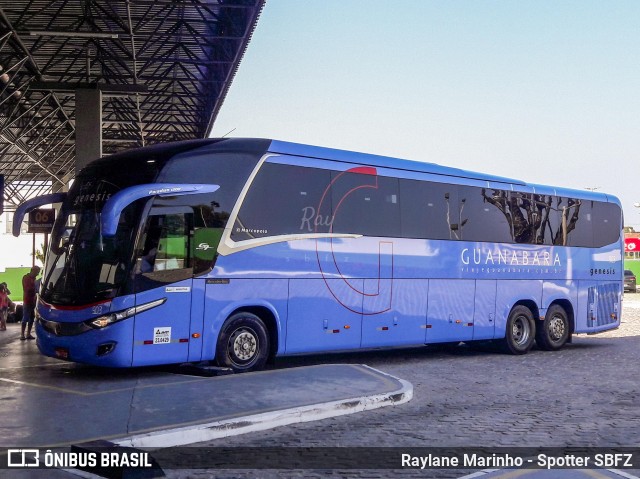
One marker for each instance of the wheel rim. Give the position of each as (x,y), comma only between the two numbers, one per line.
(243,345)
(521,330)
(557,328)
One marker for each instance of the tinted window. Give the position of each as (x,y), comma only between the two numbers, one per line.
(579,216)
(229,170)
(209,221)
(527,213)
(567,215)
(83,266)
(429,210)
(484,215)
(163,255)
(285,199)
(365,204)
(607,223)
(179,239)
(551,226)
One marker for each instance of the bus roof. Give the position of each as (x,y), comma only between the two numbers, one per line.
(296,149)
(170,150)
(383,161)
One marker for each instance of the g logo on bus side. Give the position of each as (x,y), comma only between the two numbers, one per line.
(373,303)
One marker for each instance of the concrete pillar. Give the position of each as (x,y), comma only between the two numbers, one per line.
(88,126)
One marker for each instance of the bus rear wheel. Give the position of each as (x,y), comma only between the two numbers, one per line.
(521,331)
(243,343)
(553,333)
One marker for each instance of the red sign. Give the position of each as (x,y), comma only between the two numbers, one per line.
(631,245)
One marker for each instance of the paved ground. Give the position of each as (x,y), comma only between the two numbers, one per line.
(587,394)
(44,401)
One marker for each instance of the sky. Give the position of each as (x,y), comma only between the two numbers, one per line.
(542,91)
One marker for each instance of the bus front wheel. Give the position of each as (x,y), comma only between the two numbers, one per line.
(553,332)
(520,331)
(243,344)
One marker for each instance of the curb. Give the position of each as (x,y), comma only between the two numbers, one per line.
(263,421)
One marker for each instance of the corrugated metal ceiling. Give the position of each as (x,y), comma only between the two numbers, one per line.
(164,68)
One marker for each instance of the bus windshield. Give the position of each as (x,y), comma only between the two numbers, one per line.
(83,266)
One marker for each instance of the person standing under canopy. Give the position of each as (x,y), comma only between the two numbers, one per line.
(29,301)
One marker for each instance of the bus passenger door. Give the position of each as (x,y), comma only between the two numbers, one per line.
(164,274)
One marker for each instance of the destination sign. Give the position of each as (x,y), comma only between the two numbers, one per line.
(41,220)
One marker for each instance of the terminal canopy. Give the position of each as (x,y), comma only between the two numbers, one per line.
(163,68)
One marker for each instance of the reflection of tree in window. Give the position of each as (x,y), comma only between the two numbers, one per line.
(530,216)
(453,227)
(570,213)
(218,219)
(483,216)
(174,225)
(525,214)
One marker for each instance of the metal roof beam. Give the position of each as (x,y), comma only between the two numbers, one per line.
(105,88)
(69,34)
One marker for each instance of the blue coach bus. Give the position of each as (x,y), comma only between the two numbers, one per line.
(240,250)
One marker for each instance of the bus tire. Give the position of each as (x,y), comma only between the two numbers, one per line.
(243,343)
(520,331)
(553,332)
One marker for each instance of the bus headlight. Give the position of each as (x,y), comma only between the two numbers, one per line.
(108,319)
(104,321)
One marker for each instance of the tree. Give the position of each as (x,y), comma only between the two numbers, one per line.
(39,254)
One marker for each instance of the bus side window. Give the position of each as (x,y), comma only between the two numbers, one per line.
(365,205)
(607,223)
(429,210)
(147,258)
(282,200)
(172,249)
(164,255)
(485,215)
